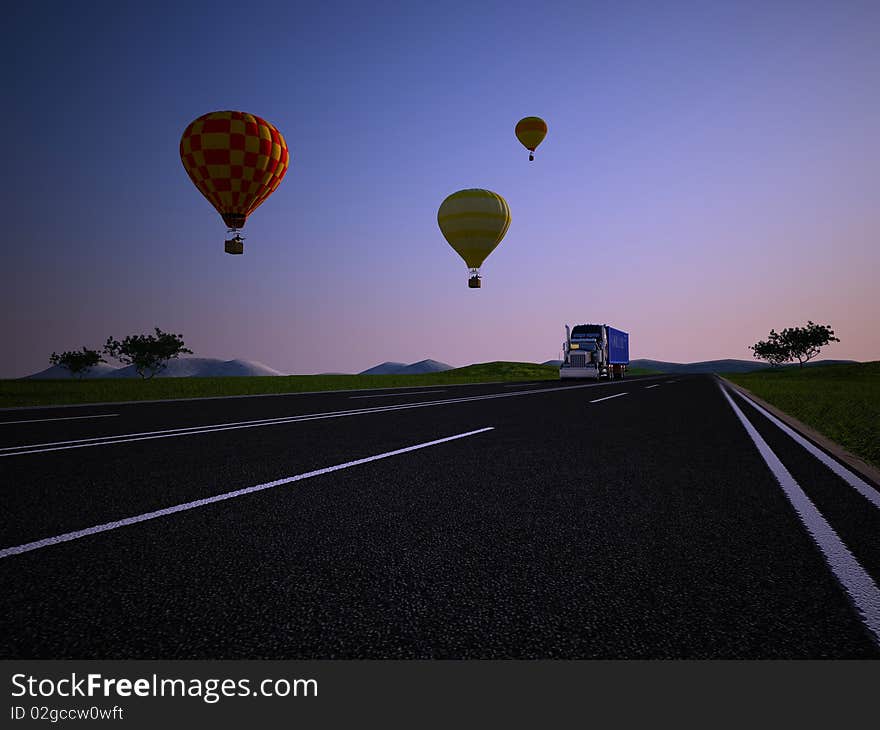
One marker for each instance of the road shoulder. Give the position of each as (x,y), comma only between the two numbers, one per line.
(832,447)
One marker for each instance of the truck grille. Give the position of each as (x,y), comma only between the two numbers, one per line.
(578,360)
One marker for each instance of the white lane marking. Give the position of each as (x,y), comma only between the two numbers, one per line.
(860,485)
(656,385)
(671,381)
(174,432)
(609,397)
(391,395)
(115,403)
(67,536)
(529,385)
(852,576)
(65,418)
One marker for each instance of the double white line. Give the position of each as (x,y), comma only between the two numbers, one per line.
(852,576)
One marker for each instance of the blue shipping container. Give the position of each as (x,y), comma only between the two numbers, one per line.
(618,347)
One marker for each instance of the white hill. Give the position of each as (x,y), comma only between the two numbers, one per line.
(202,367)
(57,372)
(184,367)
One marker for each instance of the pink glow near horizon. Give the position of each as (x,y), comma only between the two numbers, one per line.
(709,174)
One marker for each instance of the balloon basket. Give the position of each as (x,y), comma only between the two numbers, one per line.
(474,282)
(234,246)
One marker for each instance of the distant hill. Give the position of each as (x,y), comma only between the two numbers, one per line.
(185,367)
(718,366)
(385,368)
(426,366)
(57,372)
(505,369)
(208,367)
(399,368)
(203,367)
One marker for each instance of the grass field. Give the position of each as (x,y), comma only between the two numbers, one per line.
(841,402)
(105,390)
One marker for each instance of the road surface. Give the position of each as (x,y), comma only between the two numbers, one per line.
(654,517)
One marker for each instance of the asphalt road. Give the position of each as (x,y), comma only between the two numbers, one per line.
(632,519)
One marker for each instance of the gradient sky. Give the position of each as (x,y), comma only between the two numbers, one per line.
(712,171)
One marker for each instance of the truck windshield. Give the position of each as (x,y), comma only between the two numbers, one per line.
(586,330)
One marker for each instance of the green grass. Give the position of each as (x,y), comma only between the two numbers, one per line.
(106,390)
(841,402)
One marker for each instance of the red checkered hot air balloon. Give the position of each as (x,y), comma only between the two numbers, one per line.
(236,160)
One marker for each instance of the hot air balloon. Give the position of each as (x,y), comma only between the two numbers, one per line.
(236,160)
(474,222)
(531,132)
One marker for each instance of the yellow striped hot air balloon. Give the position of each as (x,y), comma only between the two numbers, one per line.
(474,222)
(531,132)
(236,160)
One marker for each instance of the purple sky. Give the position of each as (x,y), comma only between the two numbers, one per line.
(712,171)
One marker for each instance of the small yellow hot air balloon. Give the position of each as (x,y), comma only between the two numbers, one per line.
(474,222)
(531,132)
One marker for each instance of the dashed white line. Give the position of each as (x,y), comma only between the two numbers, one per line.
(114,403)
(852,576)
(107,526)
(193,430)
(392,395)
(656,385)
(609,397)
(65,418)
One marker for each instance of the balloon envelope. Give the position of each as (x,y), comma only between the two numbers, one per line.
(236,160)
(474,222)
(531,132)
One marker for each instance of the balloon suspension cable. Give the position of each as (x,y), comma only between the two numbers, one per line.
(235,234)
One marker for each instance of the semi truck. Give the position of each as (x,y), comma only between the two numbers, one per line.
(594,351)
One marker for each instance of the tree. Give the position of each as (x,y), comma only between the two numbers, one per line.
(804,343)
(772,350)
(148,353)
(794,343)
(78,363)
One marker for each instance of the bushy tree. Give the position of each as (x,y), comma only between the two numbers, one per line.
(773,350)
(794,343)
(78,363)
(804,343)
(148,353)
